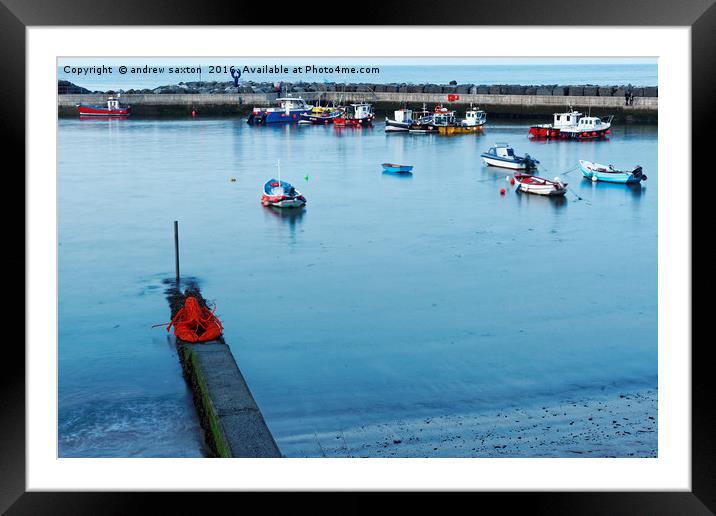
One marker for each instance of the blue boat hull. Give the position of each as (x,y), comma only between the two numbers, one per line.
(404,169)
(610,177)
(277,117)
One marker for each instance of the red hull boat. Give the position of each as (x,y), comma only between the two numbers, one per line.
(356,115)
(551,133)
(113,109)
(572,125)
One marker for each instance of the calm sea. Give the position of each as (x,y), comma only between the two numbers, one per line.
(636,74)
(388,297)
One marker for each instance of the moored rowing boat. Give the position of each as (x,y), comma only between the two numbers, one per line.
(607,173)
(539,185)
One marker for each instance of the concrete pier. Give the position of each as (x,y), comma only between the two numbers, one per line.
(229,415)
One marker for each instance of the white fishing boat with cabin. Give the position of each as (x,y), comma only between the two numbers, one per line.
(402,121)
(573,125)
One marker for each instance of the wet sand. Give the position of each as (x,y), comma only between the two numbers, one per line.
(613,425)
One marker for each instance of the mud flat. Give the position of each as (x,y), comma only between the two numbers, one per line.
(612,425)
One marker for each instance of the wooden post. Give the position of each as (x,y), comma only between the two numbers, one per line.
(176,249)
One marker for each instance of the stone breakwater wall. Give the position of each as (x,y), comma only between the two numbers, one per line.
(65,87)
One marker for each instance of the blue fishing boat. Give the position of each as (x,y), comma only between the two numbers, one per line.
(288,110)
(397,169)
(608,174)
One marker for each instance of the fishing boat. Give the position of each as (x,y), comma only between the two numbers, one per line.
(502,155)
(474,117)
(288,110)
(113,108)
(423,122)
(403,119)
(323,118)
(447,123)
(573,125)
(397,169)
(539,185)
(608,174)
(355,115)
(424,126)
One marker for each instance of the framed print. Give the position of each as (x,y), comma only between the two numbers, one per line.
(433,254)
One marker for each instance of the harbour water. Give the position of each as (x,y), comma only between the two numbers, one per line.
(387,298)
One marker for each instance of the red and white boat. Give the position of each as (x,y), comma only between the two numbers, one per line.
(355,115)
(573,125)
(113,109)
(539,185)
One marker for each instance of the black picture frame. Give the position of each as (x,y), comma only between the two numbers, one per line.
(16,15)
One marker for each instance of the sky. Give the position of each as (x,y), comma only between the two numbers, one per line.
(394,61)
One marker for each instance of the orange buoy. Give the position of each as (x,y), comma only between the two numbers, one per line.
(193,112)
(512,180)
(502,191)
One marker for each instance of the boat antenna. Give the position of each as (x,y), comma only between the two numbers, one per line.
(279,173)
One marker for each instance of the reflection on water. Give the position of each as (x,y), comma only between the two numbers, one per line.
(604,190)
(394,297)
(292,217)
(552,201)
(398,175)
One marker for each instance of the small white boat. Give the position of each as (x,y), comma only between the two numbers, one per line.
(502,155)
(539,185)
(474,117)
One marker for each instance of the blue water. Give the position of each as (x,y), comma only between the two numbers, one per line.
(388,297)
(622,73)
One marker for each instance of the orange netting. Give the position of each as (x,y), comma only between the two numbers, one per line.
(194,323)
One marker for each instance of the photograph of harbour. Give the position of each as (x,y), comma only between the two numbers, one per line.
(357,258)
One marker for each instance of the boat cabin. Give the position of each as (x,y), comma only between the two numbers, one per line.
(113,103)
(290,103)
(444,118)
(502,150)
(569,119)
(360,111)
(474,117)
(589,123)
(404,115)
